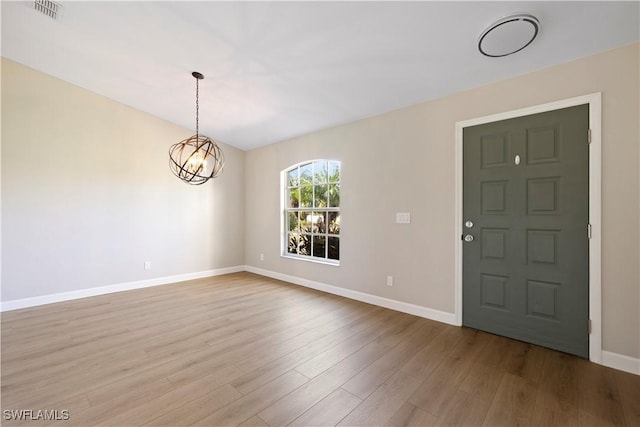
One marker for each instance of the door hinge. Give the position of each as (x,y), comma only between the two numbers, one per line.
(589,326)
(589,136)
(589,231)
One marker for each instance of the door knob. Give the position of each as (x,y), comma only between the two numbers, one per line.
(468,224)
(468,238)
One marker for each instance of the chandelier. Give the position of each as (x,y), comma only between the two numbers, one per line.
(198,158)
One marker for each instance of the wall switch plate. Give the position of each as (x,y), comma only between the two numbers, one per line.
(147,265)
(403,217)
(389,280)
(261,257)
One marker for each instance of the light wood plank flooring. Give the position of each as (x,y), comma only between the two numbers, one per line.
(246,350)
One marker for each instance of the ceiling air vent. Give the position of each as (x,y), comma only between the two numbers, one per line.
(47,7)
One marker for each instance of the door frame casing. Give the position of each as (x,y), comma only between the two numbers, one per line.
(594,100)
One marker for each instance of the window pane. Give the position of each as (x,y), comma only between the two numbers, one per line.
(306,196)
(334,171)
(318,222)
(320,195)
(305,221)
(304,247)
(319,244)
(320,172)
(305,174)
(334,195)
(292,245)
(334,223)
(293,221)
(312,210)
(293,177)
(294,197)
(334,248)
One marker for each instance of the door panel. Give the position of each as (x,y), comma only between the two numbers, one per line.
(526,191)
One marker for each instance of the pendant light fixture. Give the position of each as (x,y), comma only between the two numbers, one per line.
(198,158)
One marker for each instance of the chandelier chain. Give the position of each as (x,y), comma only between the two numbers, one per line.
(197,106)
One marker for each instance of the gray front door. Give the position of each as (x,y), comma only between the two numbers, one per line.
(525,214)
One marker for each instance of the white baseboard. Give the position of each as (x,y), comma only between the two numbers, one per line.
(621,362)
(101,290)
(416,310)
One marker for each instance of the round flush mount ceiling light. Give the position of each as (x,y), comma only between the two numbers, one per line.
(508,35)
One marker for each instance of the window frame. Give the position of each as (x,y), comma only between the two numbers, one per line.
(285,210)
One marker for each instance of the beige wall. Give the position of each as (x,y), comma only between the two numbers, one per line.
(88,197)
(404,161)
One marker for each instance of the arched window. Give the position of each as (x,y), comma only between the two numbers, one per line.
(312,211)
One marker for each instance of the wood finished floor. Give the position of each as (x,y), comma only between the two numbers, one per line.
(246,350)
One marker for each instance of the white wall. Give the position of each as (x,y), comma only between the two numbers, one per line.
(88,197)
(403,161)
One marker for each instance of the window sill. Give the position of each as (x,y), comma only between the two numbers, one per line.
(317,260)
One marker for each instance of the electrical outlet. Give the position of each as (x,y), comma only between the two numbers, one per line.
(261,257)
(389,280)
(147,265)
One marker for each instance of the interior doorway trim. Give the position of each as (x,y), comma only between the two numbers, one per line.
(595,206)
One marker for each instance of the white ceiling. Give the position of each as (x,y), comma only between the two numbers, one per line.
(274,70)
